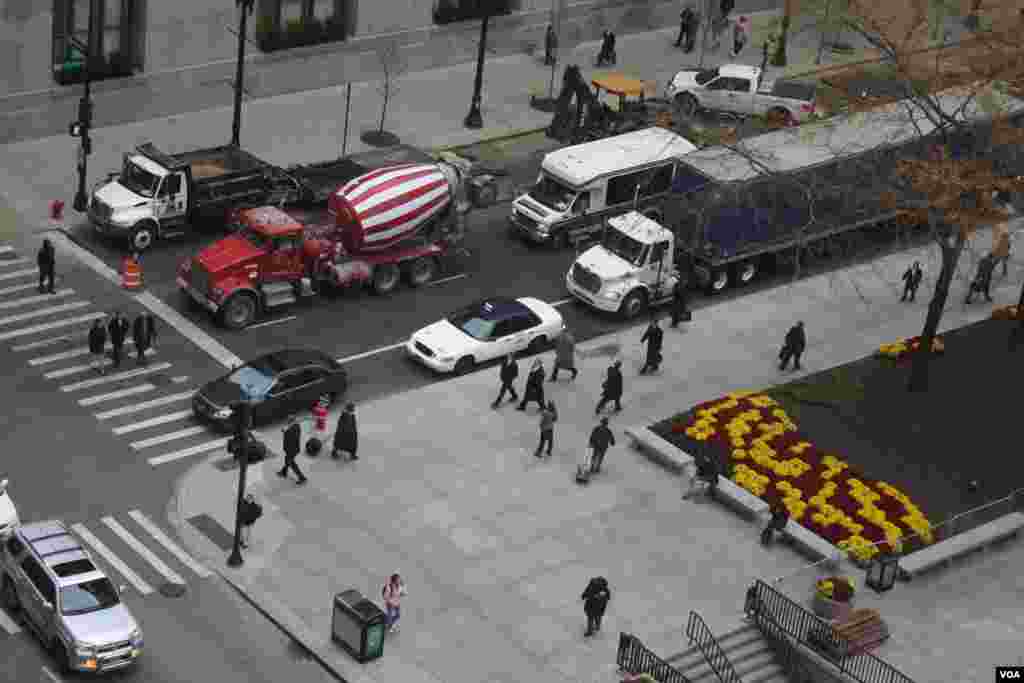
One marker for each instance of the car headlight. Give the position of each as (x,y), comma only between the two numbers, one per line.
(223,413)
(445,358)
(613,294)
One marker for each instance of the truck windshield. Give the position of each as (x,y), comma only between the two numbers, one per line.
(553,194)
(139,180)
(624,246)
(257,239)
(88,596)
(705,76)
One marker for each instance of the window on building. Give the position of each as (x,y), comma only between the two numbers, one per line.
(115,51)
(448,11)
(283,24)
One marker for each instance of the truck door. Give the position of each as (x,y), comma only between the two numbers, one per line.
(285,260)
(658,270)
(170,199)
(739,98)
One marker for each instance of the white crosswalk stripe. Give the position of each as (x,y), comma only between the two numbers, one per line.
(66,355)
(43,327)
(84,367)
(18,273)
(17,260)
(153,422)
(172,547)
(112,559)
(146,554)
(19,288)
(155,403)
(41,312)
(8,624)
(164,438)
(113,395)
(24,301)
(116,377)
(190,451)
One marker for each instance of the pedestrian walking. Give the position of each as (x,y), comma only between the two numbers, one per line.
(565,354)
(250,512)
(346,436)
(508,374)
(793,348)
(611,390)
(150,331)
(680,303)
(982,282)
(687,18)
(595,600)
(548,418)
(600,439)
(550,45)
(46,259)
(140,337)
(117,330)
(534,386)
(719,24)
(292,444)
(911,281)
(607,53)
(392,593)
(740,35)
(653,336)
(777,523)
(97,346)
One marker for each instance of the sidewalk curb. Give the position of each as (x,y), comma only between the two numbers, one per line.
(517,133)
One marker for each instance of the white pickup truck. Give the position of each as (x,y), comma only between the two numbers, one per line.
(737,89)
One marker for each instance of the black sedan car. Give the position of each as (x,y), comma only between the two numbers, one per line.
(277,384)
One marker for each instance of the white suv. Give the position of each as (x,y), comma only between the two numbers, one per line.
(66,600)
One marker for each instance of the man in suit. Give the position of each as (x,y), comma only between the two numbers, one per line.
(292,445)
(653,336)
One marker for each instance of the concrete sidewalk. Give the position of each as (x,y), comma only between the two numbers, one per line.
(496,545)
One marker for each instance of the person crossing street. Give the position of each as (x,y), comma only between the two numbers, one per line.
(46,259)
(508,374)
(117,330)
(565,355)
(97,346)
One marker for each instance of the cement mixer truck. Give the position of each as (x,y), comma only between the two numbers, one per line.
(394,221)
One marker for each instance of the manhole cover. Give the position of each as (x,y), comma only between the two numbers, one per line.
(172,590)
(160,380)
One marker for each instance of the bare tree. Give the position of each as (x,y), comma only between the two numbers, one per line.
(392,63)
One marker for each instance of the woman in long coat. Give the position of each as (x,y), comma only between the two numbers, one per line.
(346,437)
(534,386)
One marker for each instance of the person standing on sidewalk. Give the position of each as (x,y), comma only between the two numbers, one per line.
(392,593)
(548,418)
(654,337)
(983,279)
(687,18)
(346,436)
(740,35)
(680,304)
(600,439)
(595,600)
(550,45)
(534,386)
(611,390)
(565,355)
(292,443)
(250,512)
(912,280)
(46,259)
(117,330)
(509,372)
(97,345)
(795,343)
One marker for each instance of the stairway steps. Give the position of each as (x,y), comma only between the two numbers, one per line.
(745,661)
(773,674)
(727,641)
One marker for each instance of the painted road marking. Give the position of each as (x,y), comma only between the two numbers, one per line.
(95,382)
(170,436)
(172,547)
(147,554)
(65,355)
(12,261)
(8,624)
(14,303)
(448,279)
(18,273)
(75,369)
(24,331)
(271,322)
(114,561)
(39,313)
(561,302)
(6,248)
(49,341)
(192,450)
(19,288)
(162,401)
(374,352)
(162,419)
(130,391)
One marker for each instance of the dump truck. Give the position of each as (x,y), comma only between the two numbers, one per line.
(395,220)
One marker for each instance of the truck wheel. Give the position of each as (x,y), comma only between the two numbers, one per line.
(686,104)
(385,278)
(239,311)
(143,236)
(465,365)
(421,271)
(633,305)
(719,281)
(746,272)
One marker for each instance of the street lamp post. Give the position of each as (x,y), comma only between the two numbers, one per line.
(473,118)
(81,127)
(245,7)
(243,418)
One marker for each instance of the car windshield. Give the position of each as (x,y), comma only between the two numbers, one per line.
(624,246)
(138,179)
(553,194)
(255,379)
(470,322)
(88,596)
(705,75)
(257,239)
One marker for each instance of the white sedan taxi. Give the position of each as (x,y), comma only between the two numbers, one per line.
(485,330)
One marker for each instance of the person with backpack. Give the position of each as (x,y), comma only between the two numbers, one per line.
(250,512)
(392,594)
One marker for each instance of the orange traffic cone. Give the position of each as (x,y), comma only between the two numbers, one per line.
(131,273)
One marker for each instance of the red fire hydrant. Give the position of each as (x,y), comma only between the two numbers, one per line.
(320,414)
(56,210)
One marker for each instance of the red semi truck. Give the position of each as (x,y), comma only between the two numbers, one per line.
(391,221)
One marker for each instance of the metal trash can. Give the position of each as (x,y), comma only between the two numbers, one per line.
(358,625)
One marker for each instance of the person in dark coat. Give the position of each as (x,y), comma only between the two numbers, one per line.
(687,19)
(911,281)
(250,512)
(607,53)
(141,338)
(595,600)
(548,418)
(509,372)
(565,355)
(292,443)
(680,303)
(151,330)
(346,436)
(550,45)
(653,336)
(780,517)
(46,259)
(611,390)
(600,439)
(117,330)
(982,280)
(534,386)
(796,342)
(97,345)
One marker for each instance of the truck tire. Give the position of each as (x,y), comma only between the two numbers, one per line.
(239,311)
(633,305)
(746,271)
(385,278)
(143,236)
(421,270)
(686,104)
(719,281)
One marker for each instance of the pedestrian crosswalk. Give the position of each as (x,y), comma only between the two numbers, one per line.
(147,404)
(134,552)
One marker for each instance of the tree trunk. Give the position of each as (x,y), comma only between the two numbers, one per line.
(919,362)
(387,96)
(779,59)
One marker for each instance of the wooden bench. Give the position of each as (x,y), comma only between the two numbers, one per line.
(810,542)
(945,551)
(863,630)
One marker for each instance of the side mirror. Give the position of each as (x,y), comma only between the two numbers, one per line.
(3,486)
